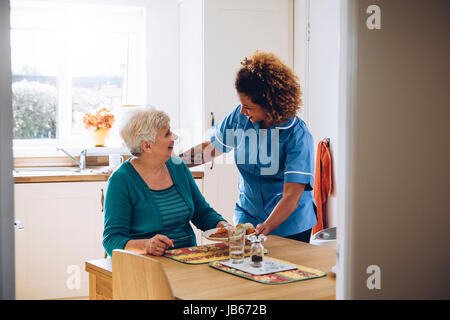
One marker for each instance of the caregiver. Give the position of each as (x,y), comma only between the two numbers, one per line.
(273,150)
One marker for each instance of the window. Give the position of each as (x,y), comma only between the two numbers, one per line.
(68,59)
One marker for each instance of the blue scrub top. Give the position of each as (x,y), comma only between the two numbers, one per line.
(266,159)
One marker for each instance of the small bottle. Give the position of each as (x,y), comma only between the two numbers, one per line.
(256,251)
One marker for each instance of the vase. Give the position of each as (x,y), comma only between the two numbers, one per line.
(99,137)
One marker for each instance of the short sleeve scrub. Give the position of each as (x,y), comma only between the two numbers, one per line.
(266,159)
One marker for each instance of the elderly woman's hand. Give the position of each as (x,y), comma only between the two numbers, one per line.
(158,245)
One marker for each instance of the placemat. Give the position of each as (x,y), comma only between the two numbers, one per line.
(299,274)
(203,254)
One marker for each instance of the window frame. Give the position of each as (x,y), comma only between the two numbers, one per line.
(137,84)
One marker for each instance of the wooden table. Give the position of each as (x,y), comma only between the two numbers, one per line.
(200,282)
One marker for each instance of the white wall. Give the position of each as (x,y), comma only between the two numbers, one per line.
(398,175)
(317,65)
(163,57)
(191,73)
(175,63)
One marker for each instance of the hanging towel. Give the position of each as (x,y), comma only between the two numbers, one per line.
(322,183)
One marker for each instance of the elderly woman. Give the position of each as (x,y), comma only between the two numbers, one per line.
(152,198)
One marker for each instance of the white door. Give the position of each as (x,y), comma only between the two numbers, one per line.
(63,227)
(234,29)
(317,62)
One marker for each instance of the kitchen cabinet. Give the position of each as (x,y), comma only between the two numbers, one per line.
(62,220)
(62,228)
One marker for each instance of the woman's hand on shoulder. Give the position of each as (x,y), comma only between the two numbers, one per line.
(158,244)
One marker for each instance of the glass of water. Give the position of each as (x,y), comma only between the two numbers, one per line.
(236,244)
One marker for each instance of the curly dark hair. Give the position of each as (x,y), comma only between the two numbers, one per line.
(268,82)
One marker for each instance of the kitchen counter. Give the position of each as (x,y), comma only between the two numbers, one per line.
(68,174)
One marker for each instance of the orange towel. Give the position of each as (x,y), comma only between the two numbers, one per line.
(322,184)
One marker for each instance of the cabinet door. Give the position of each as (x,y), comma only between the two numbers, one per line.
(63,227)
(198,232)
(199,183)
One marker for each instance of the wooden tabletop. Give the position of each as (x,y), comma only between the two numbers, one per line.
(199,282)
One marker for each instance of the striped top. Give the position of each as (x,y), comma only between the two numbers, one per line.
(131,211)
(174,215)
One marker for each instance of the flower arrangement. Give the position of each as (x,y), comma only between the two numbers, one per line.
(99,119)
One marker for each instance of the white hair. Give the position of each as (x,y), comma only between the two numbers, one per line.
(141,124)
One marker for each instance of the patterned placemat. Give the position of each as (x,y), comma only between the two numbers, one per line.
(299,274)
(203,254)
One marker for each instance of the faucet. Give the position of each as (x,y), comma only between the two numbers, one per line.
(82,163)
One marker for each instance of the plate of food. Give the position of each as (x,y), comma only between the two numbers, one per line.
(216,234)
(221,234)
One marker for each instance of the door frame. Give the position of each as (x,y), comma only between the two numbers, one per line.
(347,85)
(7,276)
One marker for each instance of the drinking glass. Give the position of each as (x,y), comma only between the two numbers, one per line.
(236,244)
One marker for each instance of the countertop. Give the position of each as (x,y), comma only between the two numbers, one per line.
(27,175)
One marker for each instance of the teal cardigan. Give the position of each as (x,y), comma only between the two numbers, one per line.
(131,212)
